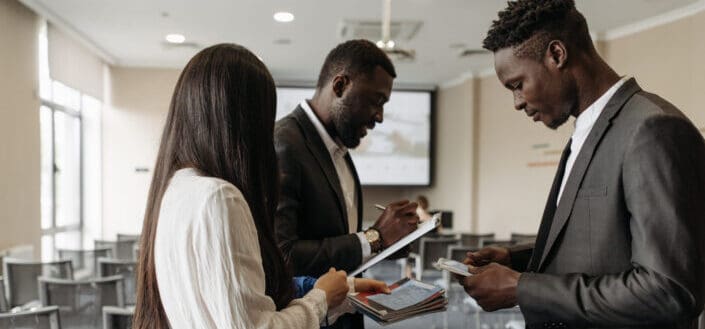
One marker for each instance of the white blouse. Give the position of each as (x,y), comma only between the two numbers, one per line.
(208,262)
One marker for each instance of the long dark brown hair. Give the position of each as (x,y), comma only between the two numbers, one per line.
(221,122)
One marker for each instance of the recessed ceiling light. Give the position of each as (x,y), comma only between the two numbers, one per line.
(283,17)
(389,44)
(175,38)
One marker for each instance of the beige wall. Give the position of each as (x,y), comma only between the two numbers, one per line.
(517,159)
(136,107)
(454,154)
(73,64)
(19,127)
(666,60)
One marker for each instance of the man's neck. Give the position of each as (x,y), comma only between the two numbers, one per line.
(594,81)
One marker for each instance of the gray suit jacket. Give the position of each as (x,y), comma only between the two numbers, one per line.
(626,243)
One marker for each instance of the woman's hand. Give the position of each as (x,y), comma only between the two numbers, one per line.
(335,284)
(369,285)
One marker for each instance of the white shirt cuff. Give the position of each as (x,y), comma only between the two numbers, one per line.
(366,248)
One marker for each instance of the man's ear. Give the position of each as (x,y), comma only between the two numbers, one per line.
(556,54)
(340,82)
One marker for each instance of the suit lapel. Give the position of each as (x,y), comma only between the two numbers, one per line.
(582,162)
(358,190)
(315,144)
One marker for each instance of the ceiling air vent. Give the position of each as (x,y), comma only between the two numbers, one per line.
(371,30)
(184,45)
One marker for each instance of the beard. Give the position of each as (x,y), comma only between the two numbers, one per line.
(560,120)
(342,116)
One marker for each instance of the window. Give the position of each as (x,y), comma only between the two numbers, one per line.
(63,130)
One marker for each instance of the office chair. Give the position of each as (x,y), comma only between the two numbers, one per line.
(40,318)
(431,250)
(3,301)
(497,243)
(128,237)
(125,268)
(474,240)
(81,302)
(85,262)
(117,317)
(120,249)
(21,278)
(523,238)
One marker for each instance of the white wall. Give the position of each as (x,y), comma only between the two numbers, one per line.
(136,107)
(19,127)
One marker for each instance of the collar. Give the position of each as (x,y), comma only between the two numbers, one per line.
(587,119)
(332,145)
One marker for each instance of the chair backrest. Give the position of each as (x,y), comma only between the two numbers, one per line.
(434,248)
(3,300)
(120,249)
(523,238)
(136,252)
(459,253)
(475,240)
(41,318)
(125,268)
(128,237)
(117,317)
(85,262)
(81,302)
(498,243)
(21,278)
(22,252)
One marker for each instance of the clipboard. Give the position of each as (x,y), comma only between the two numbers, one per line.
(424,228)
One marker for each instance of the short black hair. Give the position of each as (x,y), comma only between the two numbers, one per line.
(540,22)
(354,57)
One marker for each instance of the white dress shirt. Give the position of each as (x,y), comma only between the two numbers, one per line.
(347,183)
(583,125)
(208,262)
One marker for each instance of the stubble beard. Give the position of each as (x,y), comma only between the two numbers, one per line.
(341,113)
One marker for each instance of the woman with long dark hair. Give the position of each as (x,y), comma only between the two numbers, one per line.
(208,258)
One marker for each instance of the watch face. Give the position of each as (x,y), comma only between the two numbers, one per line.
(372,235)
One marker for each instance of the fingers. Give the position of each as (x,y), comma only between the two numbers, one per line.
(379,286)
(479,258)
(409,208)
(397,204)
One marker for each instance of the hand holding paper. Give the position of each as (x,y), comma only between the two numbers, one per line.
(419,232)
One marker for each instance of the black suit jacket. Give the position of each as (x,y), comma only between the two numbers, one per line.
(311,221)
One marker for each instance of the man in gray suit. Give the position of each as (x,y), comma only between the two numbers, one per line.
(622,237)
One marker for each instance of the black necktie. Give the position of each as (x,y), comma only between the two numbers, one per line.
(549,211)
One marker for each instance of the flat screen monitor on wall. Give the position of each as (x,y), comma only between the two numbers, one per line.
(395,153)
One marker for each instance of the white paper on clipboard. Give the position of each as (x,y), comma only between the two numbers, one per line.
(424,228)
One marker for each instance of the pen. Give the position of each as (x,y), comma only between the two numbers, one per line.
(383,208)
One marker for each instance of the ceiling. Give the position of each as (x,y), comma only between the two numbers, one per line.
(131,32)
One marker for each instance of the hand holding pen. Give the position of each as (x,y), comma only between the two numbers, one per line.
(396,221)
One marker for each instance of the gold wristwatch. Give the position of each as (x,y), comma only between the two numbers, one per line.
(374,238)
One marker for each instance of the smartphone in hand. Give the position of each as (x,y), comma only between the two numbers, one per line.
(452,266)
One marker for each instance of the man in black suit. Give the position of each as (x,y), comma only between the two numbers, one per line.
(319,217)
